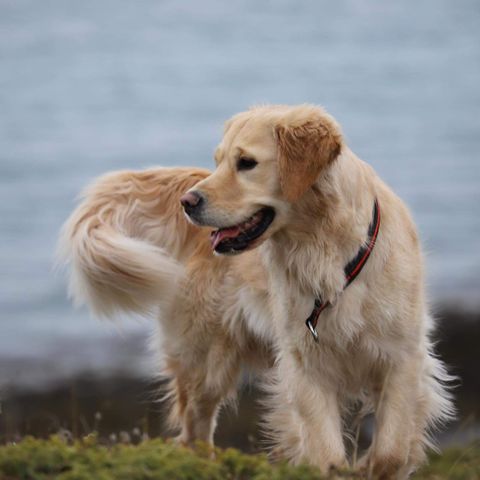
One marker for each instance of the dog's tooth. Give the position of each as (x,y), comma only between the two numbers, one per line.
(214,238)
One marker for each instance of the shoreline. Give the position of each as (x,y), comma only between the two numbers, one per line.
(120,395)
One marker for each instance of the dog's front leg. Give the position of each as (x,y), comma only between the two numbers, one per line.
(305,422)
(395,415)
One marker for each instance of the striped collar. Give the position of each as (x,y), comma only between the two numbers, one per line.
(352,269)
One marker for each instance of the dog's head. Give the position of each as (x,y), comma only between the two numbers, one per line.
(269,158)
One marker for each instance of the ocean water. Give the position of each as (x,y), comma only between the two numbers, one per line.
(92,86)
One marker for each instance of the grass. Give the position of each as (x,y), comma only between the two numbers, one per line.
(88,459)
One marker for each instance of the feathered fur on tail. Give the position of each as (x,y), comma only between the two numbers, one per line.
(128,238)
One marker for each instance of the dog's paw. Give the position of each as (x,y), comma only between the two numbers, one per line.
(382,467)
(179,440)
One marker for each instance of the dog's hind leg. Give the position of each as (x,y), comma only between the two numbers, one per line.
(434,407)
(198,390)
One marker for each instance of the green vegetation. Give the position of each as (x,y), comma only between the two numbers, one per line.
(88,459)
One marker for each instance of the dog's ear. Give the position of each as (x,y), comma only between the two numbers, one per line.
(306,145)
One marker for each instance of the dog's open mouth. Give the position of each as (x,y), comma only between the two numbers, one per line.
(239,237)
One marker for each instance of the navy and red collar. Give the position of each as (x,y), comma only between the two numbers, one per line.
(352,269)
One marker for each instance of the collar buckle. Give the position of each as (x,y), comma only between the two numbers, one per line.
(312,329)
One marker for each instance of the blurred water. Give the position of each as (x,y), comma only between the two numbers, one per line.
(91,86)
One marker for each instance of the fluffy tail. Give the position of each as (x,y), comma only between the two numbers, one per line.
(126,241)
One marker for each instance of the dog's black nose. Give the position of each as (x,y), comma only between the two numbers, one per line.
(191,201)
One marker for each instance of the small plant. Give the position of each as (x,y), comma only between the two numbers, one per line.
(62,458)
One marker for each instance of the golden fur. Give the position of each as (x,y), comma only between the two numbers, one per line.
(131,249)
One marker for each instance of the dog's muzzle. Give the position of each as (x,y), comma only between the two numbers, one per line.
(192,202)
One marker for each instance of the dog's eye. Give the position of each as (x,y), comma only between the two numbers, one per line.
(246,163)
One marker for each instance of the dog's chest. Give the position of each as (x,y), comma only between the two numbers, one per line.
(351,360)
(346,352)
(257,313)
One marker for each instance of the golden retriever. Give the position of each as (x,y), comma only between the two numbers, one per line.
(298,205)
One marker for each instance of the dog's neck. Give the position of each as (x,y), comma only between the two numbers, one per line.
(326,228)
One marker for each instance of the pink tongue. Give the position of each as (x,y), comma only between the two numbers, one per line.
(220,235)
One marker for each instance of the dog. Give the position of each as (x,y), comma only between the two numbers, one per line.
(131,250)
(313,274)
